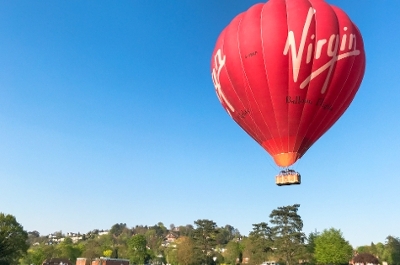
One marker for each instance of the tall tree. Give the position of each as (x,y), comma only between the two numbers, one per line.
(117,229)
(233,253)
(226,234)
(138,250)
(332,248)
(379,250)
(34,256)
(186,230)
(34,237)
(310,247)
(170,255)
(287,233)
(392,250)
(106,242)
(13,239)
(140,229)
(155,236)
(37,254)
(185,251)
(93,249)
(205,238)
(261,243)
(153,240)
(364,249)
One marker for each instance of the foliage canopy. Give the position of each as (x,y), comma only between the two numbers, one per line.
(332,248)
(13,239)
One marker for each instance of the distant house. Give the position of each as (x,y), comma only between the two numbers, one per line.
(56,261)
(170,238)
(105,232)
(75,237)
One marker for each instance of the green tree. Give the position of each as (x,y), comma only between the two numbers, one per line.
(106,242)
(233,252)
(332,248)
(185,251)
(310,247)
(171,255)
(120,247)
(226,234)
(13,240)
(34,237)
(186,230)
(379,250)
(50,251)
(261,242)
(287,233)
(117,229)
(67,249)
(161,229)
(205,239)
(392,250)
(140,229)
(34,256)
(138,250)
(364,249)
(92,249)
(154,238)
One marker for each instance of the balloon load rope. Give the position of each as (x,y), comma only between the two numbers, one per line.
(288,176)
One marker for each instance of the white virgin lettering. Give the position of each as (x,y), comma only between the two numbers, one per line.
(332,48)
(219,62)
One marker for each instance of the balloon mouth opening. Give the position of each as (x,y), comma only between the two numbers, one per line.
(286,159)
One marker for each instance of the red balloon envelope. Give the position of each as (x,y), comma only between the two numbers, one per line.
(286,71)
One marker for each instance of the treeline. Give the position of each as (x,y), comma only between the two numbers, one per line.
(281,240)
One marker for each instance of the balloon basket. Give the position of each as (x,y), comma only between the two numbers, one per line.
(288,177)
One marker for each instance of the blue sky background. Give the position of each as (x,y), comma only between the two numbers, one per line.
(108,115)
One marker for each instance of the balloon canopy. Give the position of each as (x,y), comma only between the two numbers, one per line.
(286,71)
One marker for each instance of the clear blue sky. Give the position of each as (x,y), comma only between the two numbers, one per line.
(108,115)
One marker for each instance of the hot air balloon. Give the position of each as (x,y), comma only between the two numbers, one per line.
(286,71)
